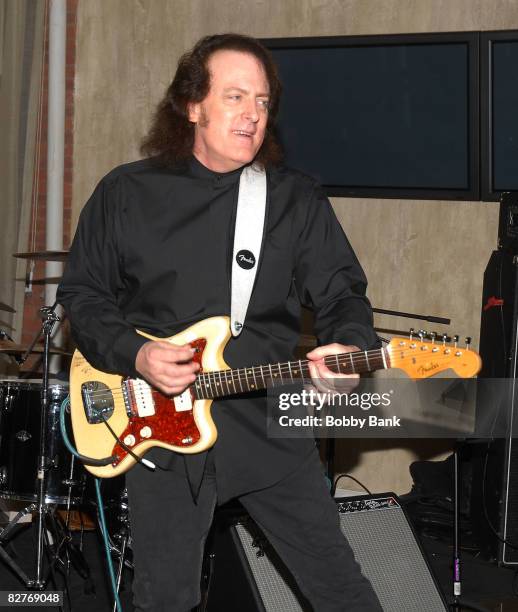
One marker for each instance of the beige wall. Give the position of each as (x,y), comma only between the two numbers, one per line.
(420,256)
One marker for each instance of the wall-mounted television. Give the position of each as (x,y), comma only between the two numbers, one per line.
(382,116)
(499,113)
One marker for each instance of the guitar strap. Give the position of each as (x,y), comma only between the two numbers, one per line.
(248,236)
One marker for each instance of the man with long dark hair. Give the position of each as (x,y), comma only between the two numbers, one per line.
(153,252)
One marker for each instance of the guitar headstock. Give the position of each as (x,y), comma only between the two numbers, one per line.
(421,357)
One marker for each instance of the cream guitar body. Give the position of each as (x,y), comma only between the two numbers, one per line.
(141,416)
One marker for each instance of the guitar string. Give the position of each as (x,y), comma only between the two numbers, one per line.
(242,374)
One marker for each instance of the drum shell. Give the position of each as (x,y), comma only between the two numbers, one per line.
(20,427)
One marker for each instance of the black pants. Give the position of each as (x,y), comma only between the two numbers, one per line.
(297,515)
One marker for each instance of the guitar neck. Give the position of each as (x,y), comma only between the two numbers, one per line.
(219,383)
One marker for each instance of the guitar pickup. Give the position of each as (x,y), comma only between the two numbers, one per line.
(97,401)
(138,398)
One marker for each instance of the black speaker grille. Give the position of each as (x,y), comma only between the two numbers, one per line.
(386,548)
(383,543)
(276,594)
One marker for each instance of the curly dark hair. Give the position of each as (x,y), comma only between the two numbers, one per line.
(171,136)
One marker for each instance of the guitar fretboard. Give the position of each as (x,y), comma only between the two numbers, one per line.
(219,383)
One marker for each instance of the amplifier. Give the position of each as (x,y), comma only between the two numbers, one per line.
(248,574)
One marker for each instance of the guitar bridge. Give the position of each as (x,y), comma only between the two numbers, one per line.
(97,401)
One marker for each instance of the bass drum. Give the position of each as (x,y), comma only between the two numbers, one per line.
(20,428)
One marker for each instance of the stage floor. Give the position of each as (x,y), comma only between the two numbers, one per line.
(483,583)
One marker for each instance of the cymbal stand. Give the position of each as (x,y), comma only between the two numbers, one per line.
(50,318)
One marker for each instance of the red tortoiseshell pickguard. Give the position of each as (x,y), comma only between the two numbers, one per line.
(167,425)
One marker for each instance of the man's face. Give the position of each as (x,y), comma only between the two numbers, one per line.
(230,123)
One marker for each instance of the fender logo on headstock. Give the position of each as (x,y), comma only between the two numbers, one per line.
(429,367)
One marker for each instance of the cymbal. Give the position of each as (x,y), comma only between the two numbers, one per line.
(11,348)
(45,255)
(6,307)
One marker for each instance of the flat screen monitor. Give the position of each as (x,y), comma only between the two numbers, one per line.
(499,106)
(382,116)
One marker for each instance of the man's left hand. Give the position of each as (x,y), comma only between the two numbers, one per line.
(322,377)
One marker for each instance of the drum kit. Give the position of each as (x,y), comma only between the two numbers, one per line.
(37,469)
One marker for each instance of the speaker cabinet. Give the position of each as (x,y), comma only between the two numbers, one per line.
(494,505)
(248,575)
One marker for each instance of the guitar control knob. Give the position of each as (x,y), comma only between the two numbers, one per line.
(145,432)
(129,440)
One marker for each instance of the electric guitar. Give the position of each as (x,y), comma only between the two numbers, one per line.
(122,418)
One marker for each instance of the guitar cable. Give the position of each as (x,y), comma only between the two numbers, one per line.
(142,460)
(100,506)
(145,462)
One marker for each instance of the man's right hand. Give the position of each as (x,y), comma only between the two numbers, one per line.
(166,366)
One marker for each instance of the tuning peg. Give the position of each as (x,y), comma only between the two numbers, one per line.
(444,339)
(412,332)
(468,342)
(422,334)
(433,335)
(456,339)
